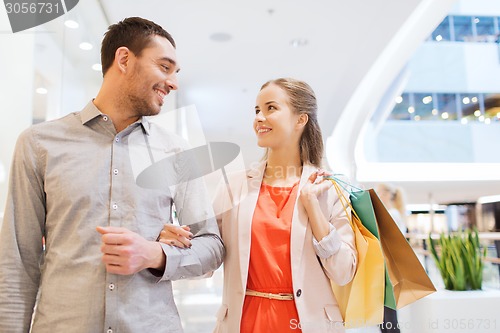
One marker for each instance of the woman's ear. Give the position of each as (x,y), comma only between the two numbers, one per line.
(122,58)
(302,120)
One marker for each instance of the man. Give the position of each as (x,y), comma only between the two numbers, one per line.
(73,183)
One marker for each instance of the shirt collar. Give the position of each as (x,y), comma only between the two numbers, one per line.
(90,111)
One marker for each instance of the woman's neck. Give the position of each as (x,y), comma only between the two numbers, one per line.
(283,168)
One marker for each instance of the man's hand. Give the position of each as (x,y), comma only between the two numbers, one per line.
(126,252)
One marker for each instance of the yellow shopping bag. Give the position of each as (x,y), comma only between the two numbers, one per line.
(361,301)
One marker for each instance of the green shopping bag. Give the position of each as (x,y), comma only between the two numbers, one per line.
(362,204)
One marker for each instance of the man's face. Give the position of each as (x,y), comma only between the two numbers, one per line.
(153,75)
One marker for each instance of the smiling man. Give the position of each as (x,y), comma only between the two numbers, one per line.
(73,184)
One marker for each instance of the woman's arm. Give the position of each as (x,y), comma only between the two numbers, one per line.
(333,236)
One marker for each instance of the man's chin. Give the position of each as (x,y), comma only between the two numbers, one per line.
(154,111)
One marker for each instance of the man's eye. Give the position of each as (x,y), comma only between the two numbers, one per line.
(257,111)
(271,107)
(165,68)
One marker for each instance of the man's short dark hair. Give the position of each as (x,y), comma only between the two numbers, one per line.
(135,33)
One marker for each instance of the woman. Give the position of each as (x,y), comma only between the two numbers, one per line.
(276,273)
(393,199)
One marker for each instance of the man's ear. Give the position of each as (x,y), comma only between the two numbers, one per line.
(122,58)
(302,120)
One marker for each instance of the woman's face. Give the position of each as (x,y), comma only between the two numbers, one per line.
(385,195)
(275,124)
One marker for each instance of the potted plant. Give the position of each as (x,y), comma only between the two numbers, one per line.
(461,260)
(462,307)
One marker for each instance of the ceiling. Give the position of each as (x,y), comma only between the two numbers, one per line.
(222,78)
(227,49)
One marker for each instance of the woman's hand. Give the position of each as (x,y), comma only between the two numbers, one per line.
(313,188)
(174,235)
(309,198)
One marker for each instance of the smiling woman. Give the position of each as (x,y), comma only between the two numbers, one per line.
(290,222)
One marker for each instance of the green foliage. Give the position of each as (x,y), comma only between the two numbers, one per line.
(460,261)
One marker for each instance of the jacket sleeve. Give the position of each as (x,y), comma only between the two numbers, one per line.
(21,237)
(337,250)
(194,208)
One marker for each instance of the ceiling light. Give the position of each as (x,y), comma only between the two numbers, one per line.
(399,99)
(71,24)
(434,112)
(474,99)
(97,67)
(411,109)
(498,115)
(466,100)
(477,113)
(41,91)
(86,46)
(427,99)
(445,115)
(299,42)
(481,118)
(220,37)
(417,118)
(464,121)
(439,38)
(476,20)
(487,121)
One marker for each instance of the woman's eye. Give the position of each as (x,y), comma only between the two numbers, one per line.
(271,107)
(257,111)
(165,68)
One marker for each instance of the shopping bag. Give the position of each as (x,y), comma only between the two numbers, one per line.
(362,204)
(408,277)
(361,302)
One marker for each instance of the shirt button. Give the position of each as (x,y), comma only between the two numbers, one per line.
(298,293)
(117,139)
(115,171)
(109,330)
(111,286)
(115,206)
(105,118)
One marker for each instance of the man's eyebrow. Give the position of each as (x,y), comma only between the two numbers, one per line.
(172,61)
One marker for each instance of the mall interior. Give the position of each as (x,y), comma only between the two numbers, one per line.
(408,94)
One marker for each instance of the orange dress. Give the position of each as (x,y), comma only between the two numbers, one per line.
(270,269)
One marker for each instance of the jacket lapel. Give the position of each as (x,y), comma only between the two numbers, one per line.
(245,217)
(300,224)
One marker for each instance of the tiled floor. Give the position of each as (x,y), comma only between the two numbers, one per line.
(199,300)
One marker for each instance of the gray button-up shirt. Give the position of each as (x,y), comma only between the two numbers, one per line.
(70,176)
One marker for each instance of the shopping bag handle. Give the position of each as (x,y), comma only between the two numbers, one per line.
(342,183)
(345,202)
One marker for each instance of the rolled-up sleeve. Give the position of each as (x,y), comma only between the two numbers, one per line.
(337,250)
(329,245)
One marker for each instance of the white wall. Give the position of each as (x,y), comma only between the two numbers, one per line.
(434,142)
(16,92)
(455,67)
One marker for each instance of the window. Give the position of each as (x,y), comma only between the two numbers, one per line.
(447,106)
(462,25)
(423,106)
(400,111)
(442,32)
(485,29)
